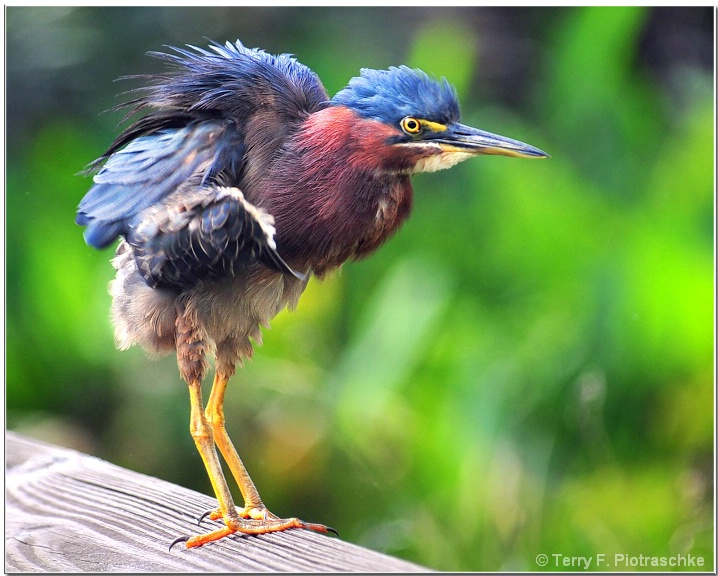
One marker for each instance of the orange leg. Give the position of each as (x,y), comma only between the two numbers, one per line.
(207,429)
(254,518)
(203,437)
(253,506)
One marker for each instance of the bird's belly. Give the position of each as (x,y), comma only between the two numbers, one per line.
(228,311)
(234,308)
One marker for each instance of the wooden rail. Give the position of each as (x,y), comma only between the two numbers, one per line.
(70,512)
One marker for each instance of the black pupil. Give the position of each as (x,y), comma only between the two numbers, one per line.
(412,125)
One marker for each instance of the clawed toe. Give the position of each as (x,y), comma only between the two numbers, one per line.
(211,514)
(177,541)
(250,522)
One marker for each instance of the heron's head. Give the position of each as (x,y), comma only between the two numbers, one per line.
(418,120)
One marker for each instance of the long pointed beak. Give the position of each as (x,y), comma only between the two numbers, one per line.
(462,138)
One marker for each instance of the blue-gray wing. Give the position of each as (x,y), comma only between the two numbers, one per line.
(202,234)
(150,168)
(209,118)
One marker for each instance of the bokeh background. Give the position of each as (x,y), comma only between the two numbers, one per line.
(526,368)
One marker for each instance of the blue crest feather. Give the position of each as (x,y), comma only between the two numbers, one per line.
(390,95)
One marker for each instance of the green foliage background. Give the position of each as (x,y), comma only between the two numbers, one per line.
(526,368)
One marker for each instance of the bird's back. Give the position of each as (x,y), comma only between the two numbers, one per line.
(218,118)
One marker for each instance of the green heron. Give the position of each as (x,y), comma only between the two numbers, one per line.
(241,179)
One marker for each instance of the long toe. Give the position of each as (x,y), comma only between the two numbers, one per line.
(203,539)
(253,527)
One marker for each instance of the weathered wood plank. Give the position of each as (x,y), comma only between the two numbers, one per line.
(69,512)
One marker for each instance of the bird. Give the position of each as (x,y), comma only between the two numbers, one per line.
(238,180)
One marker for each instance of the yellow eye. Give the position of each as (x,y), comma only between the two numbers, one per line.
(410,125)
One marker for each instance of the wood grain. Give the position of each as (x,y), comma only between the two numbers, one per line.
(69,512)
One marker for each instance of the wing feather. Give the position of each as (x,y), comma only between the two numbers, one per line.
(169,183)
(202,235)
(149,169)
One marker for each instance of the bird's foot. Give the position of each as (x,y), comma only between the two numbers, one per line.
(248,513)
(249,521)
